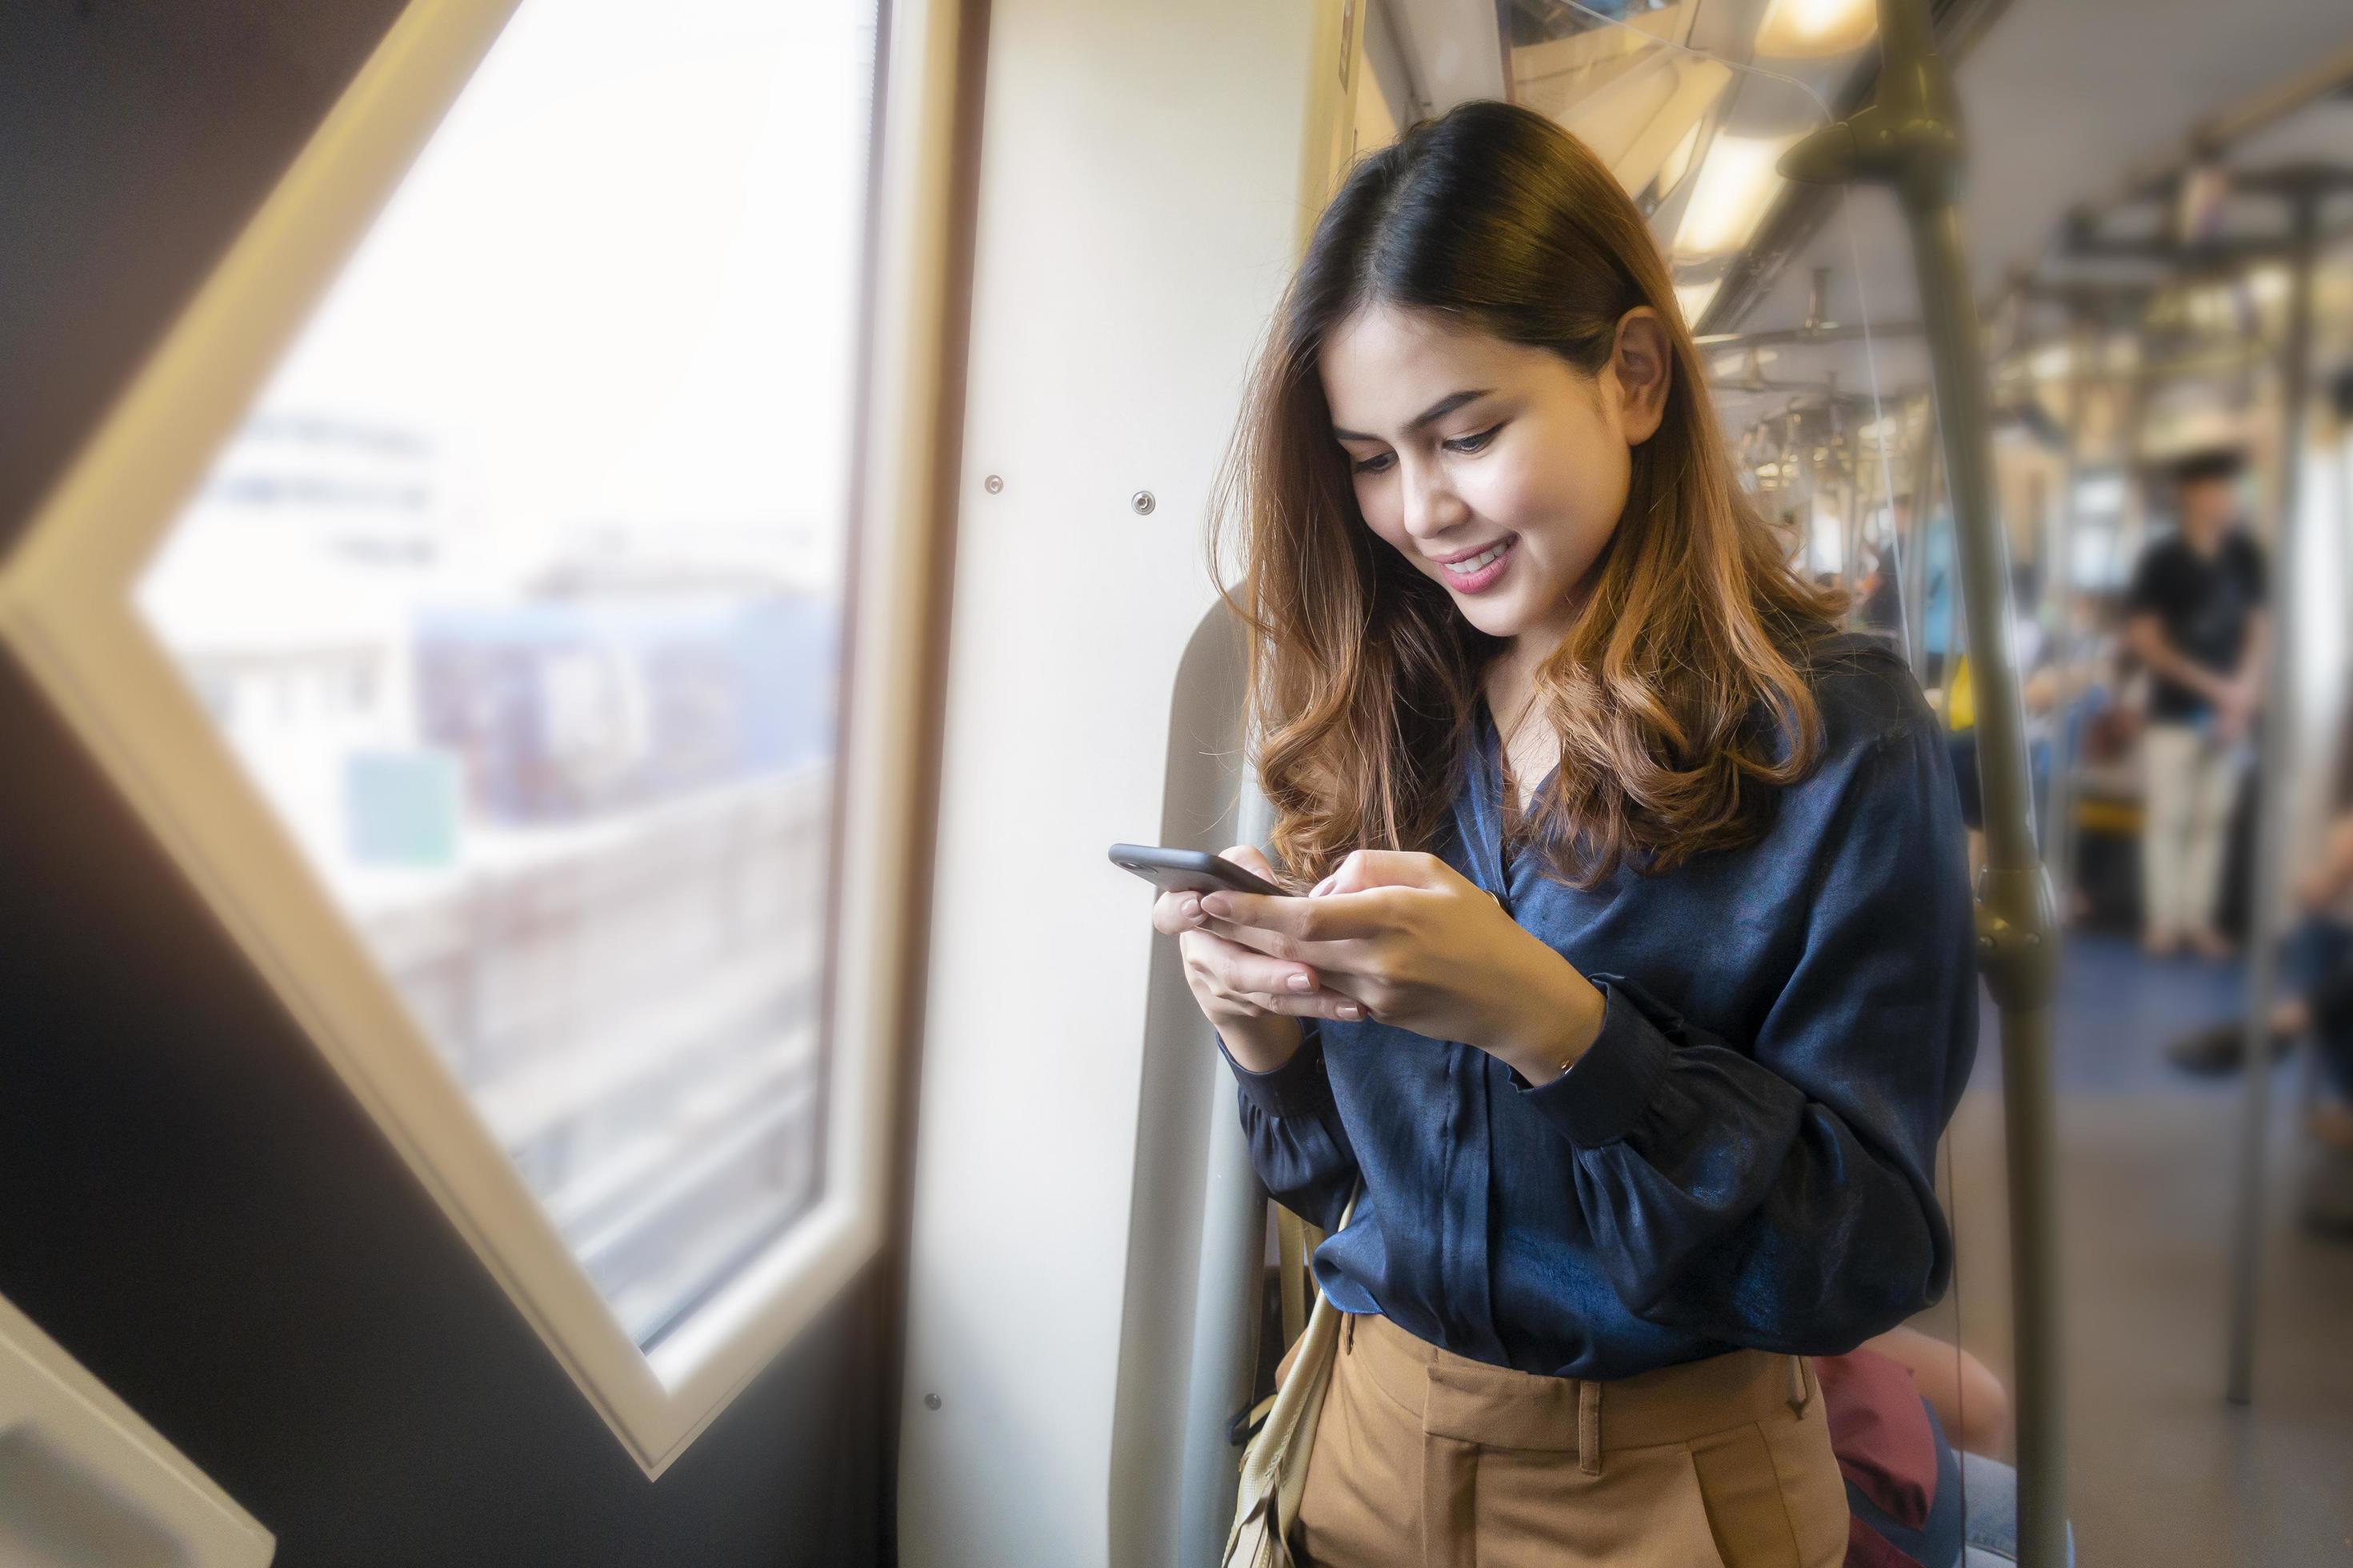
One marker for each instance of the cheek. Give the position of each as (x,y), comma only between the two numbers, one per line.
(1571,503)
(1377,501)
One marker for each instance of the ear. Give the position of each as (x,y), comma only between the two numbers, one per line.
(1642,364)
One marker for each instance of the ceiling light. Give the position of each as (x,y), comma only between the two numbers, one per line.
(1736,182)
(1811,29)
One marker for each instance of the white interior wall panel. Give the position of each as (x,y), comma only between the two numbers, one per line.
(1139,204)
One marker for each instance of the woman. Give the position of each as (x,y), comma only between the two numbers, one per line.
(1634,982)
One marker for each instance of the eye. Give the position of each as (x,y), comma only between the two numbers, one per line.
(1375,465)
(1469,444)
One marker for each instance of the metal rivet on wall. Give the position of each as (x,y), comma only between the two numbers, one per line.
(993,484)
(1143,502)
(931,1402)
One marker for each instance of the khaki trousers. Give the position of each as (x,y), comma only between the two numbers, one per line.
(2192,785)
(1426,1459)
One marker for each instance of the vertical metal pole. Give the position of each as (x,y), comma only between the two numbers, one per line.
(1852,544)
(2278,798)
(2059,832)
(2017,939)
(1914,547)
(1909,137)
(2341,433)
(1804,457)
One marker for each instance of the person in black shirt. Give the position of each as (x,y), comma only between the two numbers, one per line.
(2197,619)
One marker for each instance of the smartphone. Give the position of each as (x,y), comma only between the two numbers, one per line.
(1189,870)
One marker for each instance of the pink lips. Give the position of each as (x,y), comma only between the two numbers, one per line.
(1487,576)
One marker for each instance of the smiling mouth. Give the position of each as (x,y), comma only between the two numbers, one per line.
(1472,565)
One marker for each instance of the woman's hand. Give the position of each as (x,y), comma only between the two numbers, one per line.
(1254,1001)
(1422,948)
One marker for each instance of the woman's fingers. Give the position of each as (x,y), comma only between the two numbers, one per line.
(1319,1005)
(1274,944)
(1173,913)
(1238,971)
(1335,916)
(1249,858)
(1178,914)
(1367,869)
(1271,971)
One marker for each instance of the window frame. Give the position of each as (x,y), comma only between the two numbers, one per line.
(68,609)
(47,1395)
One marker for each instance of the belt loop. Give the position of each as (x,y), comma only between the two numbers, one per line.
(1449,1511)
(1798,1393)
(1588,1426)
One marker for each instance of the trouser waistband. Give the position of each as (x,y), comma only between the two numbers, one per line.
(1497,1408)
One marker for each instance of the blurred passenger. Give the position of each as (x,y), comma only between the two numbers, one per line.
(2320,954)
(2198,623)
(1919,1427)
(2096,745)
(1880,611)
(1970,1402)
(1940,598)
(1632,986)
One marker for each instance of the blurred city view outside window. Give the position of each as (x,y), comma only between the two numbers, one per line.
(520,594)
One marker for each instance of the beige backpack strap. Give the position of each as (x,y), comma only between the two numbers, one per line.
(1274,1466)
(1295,1242)
(1291,1255)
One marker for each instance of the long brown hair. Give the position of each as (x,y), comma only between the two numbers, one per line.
(1681,697)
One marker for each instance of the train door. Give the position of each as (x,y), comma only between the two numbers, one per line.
(460,724)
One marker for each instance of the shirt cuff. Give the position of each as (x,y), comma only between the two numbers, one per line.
(1297,1087)
(1599,1099)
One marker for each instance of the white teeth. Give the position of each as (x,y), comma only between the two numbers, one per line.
(1464,568)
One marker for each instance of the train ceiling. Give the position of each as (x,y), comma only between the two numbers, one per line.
(1690,101)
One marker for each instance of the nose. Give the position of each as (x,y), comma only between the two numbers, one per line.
(1432,507)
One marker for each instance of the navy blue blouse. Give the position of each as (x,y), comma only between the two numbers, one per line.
(1744,1156)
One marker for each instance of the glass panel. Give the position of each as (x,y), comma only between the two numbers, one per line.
(520,594)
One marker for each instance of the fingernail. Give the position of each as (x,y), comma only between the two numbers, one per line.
(1351,1012)
(1190,908)
(1214,903)
(1301,982)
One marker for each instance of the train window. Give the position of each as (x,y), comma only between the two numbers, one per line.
(500,496)
(563,458)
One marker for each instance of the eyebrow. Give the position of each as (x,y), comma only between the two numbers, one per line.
(1427,417)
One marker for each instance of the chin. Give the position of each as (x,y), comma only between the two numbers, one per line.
(1505,621)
